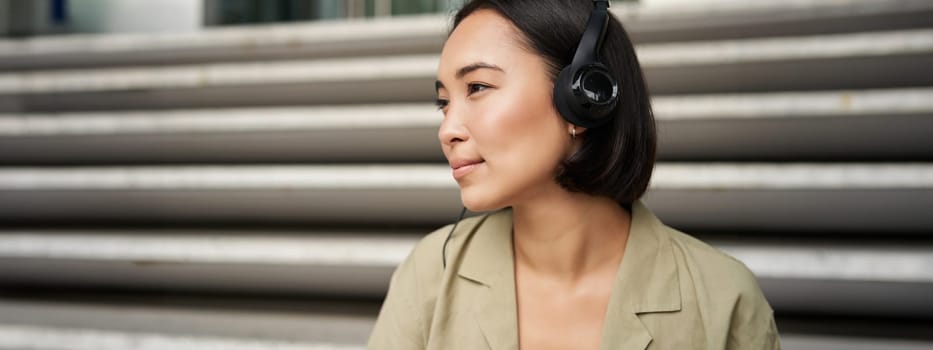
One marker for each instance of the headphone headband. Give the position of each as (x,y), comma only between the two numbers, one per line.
(592,40)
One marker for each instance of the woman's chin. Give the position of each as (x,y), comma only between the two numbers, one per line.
(475,201)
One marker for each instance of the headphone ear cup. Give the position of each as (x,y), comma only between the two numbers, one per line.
(587,96)
(597,93)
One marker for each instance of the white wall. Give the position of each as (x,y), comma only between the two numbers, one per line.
(136,15)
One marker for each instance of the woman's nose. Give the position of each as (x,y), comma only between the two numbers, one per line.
(452,130)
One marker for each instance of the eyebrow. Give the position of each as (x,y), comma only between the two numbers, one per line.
(467,69)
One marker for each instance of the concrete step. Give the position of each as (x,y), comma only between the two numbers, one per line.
(425,34)
(841,277)
(714,20)
(879,125)
(376,133)
(336,263)
(887,125)
(716,196)
(837,61)
(884,60)
(875,278)
(16,337)
(822,342)
(83,325)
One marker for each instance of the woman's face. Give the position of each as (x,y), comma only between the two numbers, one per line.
(501,134)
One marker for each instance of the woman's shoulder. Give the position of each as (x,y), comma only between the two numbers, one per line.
(728,291)
(714,266)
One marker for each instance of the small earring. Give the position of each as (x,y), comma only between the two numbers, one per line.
(573,134)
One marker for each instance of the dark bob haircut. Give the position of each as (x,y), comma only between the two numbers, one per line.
(615,160)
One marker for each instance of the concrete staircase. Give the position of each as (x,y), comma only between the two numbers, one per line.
(254,188)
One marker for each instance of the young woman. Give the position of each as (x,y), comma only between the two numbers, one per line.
(547,125)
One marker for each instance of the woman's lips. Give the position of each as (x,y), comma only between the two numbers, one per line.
(465,168)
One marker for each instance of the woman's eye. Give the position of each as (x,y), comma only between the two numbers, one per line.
(440,103)
(476,87)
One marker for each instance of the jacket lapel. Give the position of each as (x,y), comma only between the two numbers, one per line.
(646,282)
(489,263)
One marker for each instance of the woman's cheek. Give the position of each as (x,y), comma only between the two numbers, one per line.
(491,129)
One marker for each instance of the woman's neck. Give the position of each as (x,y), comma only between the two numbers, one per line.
(566,235)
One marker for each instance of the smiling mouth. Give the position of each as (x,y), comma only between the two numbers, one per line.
(462,170)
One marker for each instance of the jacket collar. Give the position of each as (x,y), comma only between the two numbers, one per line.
(647,280)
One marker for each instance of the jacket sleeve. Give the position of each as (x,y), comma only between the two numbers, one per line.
(400,323)
(757,332)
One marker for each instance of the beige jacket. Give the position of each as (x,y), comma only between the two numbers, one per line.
(672,292)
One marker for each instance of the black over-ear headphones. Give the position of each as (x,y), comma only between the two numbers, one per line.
(585,92)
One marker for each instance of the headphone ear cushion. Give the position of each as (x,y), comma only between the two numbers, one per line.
(564,98)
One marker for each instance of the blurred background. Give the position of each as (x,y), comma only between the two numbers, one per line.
(246,174)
